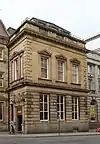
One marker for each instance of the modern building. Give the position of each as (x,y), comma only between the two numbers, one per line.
(48,79)
(3,78)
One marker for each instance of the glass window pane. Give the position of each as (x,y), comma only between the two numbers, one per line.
(75,115)
(76,100)
(72,100)
(57,99)
(41,106)
(75,107)
(57,107)
(45,107)
(72,115)
(61,99)
(1,82)
(72,107)
(62,115)
(58,115)
(41,115)
(45,98)
(45,115)
(61,107)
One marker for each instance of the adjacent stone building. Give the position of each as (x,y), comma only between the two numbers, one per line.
(48,79)
(93,63)
(93,67)
(3,77)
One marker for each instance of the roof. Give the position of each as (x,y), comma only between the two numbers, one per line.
(3,31)
(49,26)
(92,38)
(11,30)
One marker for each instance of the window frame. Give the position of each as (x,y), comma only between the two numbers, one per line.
(2,55)
(63,68)
(2,102)
(75,76)
(1,78)
(12,112)
(98,70)
(47,68)
(73,104)
(98,84)
(15,70)
(43,111)
(59,103)
(21,66)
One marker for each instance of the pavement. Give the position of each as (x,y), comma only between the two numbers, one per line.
(4,134)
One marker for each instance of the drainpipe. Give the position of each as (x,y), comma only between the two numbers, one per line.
(8,96)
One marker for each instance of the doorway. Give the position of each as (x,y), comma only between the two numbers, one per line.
(19,121)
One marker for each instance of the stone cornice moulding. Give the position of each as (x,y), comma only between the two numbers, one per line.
(15,54)
(45,53)
(61,57)
(75,61)
(51,39)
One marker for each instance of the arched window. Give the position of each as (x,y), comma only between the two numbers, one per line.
(93,110)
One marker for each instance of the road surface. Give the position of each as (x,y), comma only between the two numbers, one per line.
(50,140)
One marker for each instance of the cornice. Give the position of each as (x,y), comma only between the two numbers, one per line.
(45,37)
(52,86)
(15,54)
(45,52)
(60,56)
(75,61)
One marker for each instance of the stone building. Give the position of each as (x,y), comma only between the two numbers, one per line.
(47,79)
(93,63)
(3,77)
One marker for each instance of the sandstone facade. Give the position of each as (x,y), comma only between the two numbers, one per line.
(3,78)
(39,100)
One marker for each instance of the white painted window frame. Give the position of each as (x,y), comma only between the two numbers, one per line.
(47,107)
(2,102)
(15,69)
(60,107)
(44,68)
(2,55)
(75,74)
(77,108)
(21,66)
(61,71)
(1,79)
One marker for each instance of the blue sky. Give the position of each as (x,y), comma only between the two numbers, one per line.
(81,17)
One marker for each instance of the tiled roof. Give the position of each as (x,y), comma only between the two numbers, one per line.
(3,32)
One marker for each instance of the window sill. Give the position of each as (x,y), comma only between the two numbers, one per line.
(76,84)
(44,120)
(1,60)
(75,119)
(1,120)
(61,82)
(16,80)
(44,79)
(61,120)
